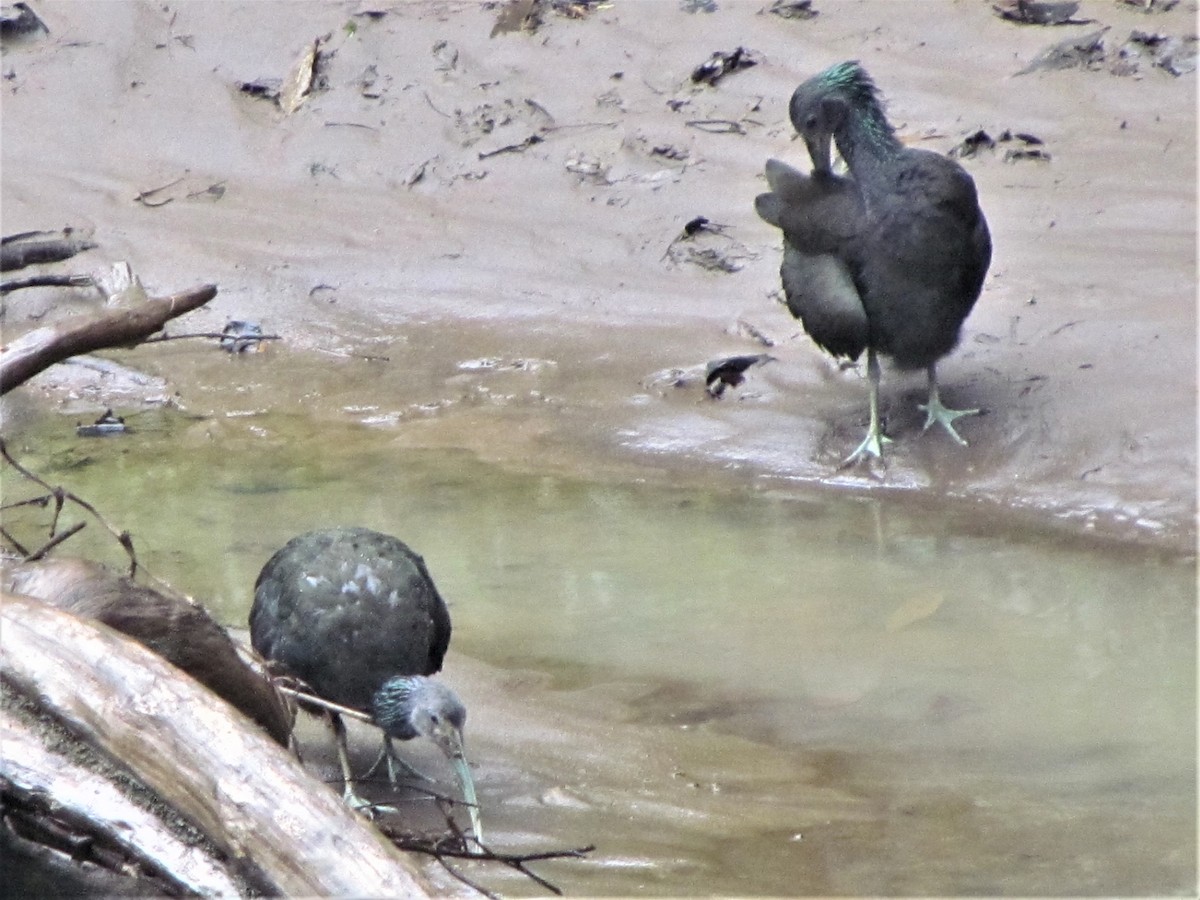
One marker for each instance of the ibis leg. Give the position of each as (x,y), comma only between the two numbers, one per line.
(396,764)
(872,444)
(353,800)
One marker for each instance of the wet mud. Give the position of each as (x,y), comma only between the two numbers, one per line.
(378,215)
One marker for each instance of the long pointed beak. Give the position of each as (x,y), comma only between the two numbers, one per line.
(463,771)
(450,740)
(820,151)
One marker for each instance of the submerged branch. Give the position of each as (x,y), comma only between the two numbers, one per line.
(456,847)
(60,496)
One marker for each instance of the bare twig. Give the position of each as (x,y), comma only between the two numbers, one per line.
(143,197)
(33,501)
(434,108)
(313,699)
(350,125)
(47,281)
(123,537)
(59,500)
(513,148)
(159,338)
(54,542)
(216,190)
(717,126)
(12,540)
(444,849)
(465,880)
(550,128)
(519,865)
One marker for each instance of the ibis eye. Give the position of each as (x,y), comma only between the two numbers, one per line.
(811,122)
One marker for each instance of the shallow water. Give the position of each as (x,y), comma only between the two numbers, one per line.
(728,689)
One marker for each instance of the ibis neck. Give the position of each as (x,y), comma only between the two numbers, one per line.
(869,146)
(392,708)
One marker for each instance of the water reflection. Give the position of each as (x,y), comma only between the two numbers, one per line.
(976,692)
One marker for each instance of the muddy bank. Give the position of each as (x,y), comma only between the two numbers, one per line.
(380,219)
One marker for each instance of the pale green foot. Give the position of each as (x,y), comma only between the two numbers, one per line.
(944,416)
(871,447)
(353,800)
(368,809)
(395,764)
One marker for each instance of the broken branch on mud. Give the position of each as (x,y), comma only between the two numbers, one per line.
(31,247)
(47,281)
(43,347)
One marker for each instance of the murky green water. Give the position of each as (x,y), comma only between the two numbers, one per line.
(998,715)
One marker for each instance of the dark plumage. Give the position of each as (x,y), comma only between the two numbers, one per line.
(347,608)
(889,260)
(821,214)
(355,615)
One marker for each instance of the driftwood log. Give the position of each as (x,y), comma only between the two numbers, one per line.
(287,833)
(175,627)
(73,830)
(16,253)
(43,347)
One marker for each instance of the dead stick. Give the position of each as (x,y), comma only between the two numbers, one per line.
(123,537)
(717,126)
(47,281)
(12,540)
(465,880)
(43,502)
(325,704)
(247,339)
(54,542)
(43,347)
(513,148)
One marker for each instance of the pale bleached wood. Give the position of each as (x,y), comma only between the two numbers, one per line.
(290,834)
(82,795)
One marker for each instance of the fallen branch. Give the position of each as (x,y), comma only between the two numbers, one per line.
(443,849)
(18,251)
(68,814)
(47,281)
(43,347)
